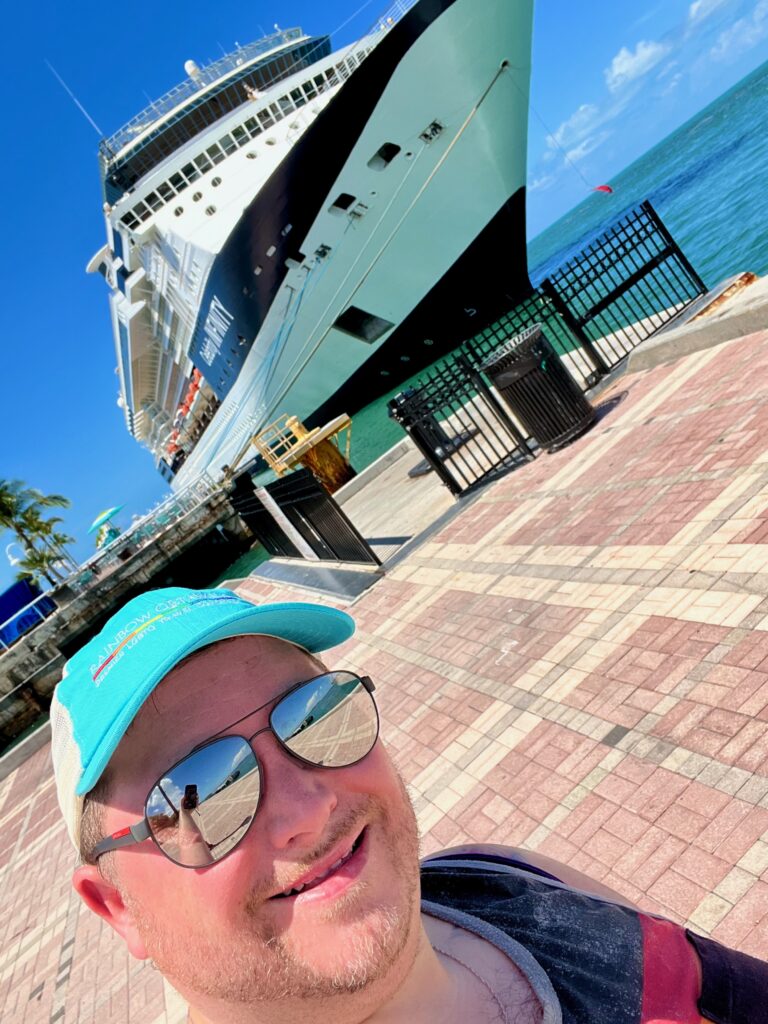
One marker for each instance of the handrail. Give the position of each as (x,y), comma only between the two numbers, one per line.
(205,75)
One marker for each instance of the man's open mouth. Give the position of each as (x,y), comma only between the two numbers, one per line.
(316,880)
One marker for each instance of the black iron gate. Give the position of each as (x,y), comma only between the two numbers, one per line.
(626,284)
(309,510)
(459,426)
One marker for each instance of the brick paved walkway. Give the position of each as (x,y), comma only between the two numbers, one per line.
(578,664)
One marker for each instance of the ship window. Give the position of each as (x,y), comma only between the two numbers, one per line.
(286,230)
(142,212)
(215,154)
(266,120)
(383,156)
(227,143)
(190,172)
(130,221)
(298,97)
(285,105)
(178,211)
(153,199)
(252,126)
(210,210)
(197,196)
(362,325)
(342,202)
(310,90)
(251,154)
(165,192)
(203,163)
(271,251)
(215,182)
(342,70)
(238,134)
(177,182)
(275,111)
(333,78)
(257,270)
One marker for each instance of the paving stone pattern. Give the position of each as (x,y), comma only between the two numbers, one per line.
(577,664)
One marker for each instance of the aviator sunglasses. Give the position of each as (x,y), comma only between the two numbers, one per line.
(202,807)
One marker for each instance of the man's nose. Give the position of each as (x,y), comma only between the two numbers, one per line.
(297,801)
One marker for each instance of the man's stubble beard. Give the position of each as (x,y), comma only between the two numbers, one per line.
(261,965)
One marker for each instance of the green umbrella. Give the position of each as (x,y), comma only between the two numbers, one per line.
(104,517)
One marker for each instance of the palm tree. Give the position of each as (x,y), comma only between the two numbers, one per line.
(20,508)
(36,563)
(44,531)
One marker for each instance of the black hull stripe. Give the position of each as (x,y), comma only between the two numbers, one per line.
(293,195)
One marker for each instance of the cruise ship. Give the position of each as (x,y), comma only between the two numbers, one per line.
(296,230)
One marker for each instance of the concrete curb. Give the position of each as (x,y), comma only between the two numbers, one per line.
(746,313)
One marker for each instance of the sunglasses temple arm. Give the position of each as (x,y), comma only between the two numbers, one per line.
(125,837)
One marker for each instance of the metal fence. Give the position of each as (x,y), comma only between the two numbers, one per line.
(626,284)
(459,426)
(296,517)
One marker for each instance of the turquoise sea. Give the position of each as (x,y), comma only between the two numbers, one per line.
(708,181)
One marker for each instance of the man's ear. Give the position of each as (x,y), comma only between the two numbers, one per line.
(105,900)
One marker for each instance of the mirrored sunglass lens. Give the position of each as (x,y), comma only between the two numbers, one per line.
(202,808)
(330,721)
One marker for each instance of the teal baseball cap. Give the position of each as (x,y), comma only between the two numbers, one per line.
(106,682)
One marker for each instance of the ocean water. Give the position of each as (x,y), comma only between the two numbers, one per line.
(708,181)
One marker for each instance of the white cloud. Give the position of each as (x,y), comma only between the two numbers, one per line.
(672,84)
(576,127)
(626,66)
(701,9)
(587,146)
(541,184)
(743,34)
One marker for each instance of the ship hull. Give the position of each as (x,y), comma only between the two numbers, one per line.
(431,241)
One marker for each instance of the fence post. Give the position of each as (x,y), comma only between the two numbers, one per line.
(551,293)
(427,452)
(662,229)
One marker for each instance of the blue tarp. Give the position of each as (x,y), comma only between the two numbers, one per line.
(18,596)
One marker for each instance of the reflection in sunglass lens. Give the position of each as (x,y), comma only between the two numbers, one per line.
(203,806)
(330,721)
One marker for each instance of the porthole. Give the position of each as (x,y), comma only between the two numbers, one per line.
(257,270)
(428,341)
(215,182)
(271,250)
(271,142)
(251,155)
(384,373)
(210,210)
(197,196)
(405,359)
(179,210)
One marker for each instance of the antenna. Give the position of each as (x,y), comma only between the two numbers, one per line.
(74,99)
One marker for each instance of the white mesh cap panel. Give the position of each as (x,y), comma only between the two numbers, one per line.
(67,768)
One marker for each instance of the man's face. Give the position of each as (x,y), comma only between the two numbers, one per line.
(221,931)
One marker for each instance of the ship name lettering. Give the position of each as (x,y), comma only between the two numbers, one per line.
(214,329)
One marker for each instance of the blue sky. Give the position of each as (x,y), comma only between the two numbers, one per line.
(609,81)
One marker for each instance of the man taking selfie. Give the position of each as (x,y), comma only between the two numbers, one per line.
(240,823)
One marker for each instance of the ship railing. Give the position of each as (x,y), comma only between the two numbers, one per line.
(142,531)
(203,76)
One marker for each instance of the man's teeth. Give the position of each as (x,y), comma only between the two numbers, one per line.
(318,878)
